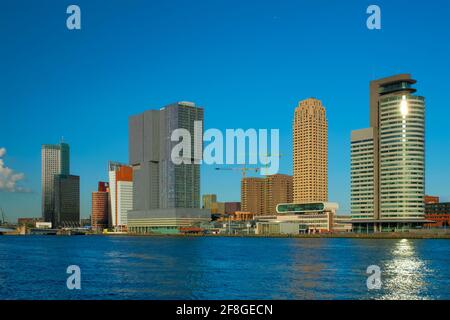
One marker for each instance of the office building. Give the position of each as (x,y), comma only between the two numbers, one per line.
(67,201)
(278,189)
(310,152)
(438,213)
(208,200)
(100,207)
(218,208)
(253,195)
(55,160)
(261,195)
(388,159)
(120,194)
(166,195)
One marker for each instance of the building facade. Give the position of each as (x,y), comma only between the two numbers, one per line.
(430,200)
(261,195)
(438,213)
(121,194)
(363,188)
(55,160)
(252,195)
(100,207)
(208,200)
(310,152)
(297,218)
(388,159)
(163,186)
(67,201)
(232,207)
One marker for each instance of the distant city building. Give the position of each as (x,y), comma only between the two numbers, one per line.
(430,200)
(388,159)
(310,152)
(43,225)
(55,160)
(261,195)
(67,201)
(439,213)
(100,207)
(232,207)
(166,196)
(218,207)
(208,200)
(28,222)
(120,194)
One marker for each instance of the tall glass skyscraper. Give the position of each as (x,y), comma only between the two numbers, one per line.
(388,159)
(55,161)
(166,195)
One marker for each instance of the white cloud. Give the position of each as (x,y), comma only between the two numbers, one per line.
(9,179)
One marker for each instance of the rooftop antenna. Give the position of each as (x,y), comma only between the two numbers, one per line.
(62,139)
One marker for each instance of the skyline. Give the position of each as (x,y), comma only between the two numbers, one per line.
(94,122)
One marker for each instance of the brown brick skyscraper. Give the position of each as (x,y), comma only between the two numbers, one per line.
(310,154)
(260,196)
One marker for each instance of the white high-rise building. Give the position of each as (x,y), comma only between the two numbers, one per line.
(388,159)
(121,194)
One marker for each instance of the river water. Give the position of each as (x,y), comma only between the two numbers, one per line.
(120,267)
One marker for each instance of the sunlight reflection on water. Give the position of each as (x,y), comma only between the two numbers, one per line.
(405,273)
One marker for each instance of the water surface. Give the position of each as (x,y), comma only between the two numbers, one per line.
(34,267)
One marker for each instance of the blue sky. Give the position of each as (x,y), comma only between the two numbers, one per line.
(248,63)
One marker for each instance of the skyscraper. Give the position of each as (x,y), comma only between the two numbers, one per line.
(55,161)
(67,201)
(120,193)
(100,207)
(166,195)
(253,195)
(388,159)
(278,189)
(310,154)
(260,196)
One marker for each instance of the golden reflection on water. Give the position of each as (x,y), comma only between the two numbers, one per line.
(403,276)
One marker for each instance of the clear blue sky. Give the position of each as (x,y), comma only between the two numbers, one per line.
(248,63)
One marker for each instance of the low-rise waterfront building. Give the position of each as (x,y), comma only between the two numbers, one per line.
(166,221)
(296,218)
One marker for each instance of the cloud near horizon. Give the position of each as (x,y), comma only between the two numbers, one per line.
(10,179)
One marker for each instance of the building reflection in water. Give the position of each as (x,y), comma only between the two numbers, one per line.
(404,275)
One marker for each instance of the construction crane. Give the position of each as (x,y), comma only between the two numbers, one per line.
(265,166)
(243,169)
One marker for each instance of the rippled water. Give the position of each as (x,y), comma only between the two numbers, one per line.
(34,267)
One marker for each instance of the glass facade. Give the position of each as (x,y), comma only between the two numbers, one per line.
(402,156)
(300,207)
